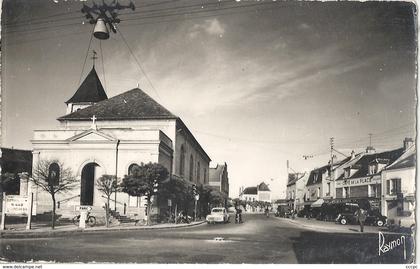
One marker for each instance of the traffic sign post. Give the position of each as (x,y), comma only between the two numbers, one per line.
(17,205)
(3,211)
(84,209)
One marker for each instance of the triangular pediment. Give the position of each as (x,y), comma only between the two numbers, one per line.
(91,135)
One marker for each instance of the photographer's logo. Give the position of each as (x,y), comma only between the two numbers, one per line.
(384,246)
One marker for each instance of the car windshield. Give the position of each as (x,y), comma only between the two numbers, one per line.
(217,210)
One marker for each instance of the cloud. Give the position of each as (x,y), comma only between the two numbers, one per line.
(211,27)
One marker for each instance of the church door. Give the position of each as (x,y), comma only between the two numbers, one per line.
(87,184)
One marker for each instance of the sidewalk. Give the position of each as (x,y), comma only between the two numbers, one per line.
(332,227)
(37,231)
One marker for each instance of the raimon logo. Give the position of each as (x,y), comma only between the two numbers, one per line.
(385,247)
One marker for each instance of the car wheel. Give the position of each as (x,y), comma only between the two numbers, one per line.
(413,228)
(380,223)
(343,221)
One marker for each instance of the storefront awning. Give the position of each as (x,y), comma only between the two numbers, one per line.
(318,203)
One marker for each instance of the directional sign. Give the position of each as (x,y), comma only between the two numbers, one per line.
(17,205)
(83,207)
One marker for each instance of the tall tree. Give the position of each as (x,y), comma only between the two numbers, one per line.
(52,177)
(143,180)
(107,184)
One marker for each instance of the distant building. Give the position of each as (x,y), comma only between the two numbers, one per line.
(259,193)
(219,178)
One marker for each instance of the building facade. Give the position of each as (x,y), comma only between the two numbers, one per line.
(296,190)
(398,185)
(101,136)
(219,179)
(362,179)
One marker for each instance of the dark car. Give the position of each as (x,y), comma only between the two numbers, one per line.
(373,217)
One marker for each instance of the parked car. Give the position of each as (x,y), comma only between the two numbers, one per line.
(373,217)
(218,214)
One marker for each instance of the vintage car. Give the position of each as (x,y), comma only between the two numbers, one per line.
(218,214)
(373,217)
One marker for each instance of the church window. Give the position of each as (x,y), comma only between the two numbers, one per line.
(191,168)
(198,171)
(54,174)
(182,161)
(132,168)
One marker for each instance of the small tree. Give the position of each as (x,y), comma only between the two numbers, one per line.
(143,180)
(177,190)
(52,177)
(107,184)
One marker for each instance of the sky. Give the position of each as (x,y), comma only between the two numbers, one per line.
(257,82)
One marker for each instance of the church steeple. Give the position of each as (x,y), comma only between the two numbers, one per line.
(90,91)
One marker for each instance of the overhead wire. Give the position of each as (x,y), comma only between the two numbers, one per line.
(103,65)
(138,62)
(87,53)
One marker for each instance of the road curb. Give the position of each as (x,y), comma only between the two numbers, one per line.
(328,229)
(55,233)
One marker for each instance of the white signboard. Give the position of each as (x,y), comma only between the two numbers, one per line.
(358,181)
(83,207)
(17,205)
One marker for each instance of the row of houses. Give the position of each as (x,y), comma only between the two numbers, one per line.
(386,180)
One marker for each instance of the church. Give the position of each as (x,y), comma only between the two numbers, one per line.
(100,135)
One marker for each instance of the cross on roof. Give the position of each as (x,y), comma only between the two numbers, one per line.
(93,118)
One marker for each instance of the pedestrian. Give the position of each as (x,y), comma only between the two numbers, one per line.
(361,217)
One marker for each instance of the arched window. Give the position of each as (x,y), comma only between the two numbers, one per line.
(182,161)
(54,174)
(198,172)
(191,168)
(132,168)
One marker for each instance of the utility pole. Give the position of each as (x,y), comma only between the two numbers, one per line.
(332,156)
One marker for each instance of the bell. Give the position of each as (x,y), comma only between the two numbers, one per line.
(101,31)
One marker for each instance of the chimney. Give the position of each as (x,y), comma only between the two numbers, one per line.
(352,155)
(408,142)
(370,150)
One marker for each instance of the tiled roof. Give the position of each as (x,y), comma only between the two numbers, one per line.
(294,177)
(215,173)
(263,187)
(90,91)
(407,160)
(364,162)
(315,176)
(130,105)
(250,190)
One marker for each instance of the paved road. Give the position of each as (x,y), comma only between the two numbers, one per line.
(258,240)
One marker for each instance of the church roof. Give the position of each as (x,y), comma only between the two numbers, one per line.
(90,91)
(131,105)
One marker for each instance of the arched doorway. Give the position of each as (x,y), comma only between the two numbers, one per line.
(87,184)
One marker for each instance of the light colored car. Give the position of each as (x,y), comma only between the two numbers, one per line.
(218,214)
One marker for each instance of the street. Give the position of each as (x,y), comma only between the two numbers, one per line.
(257,240)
